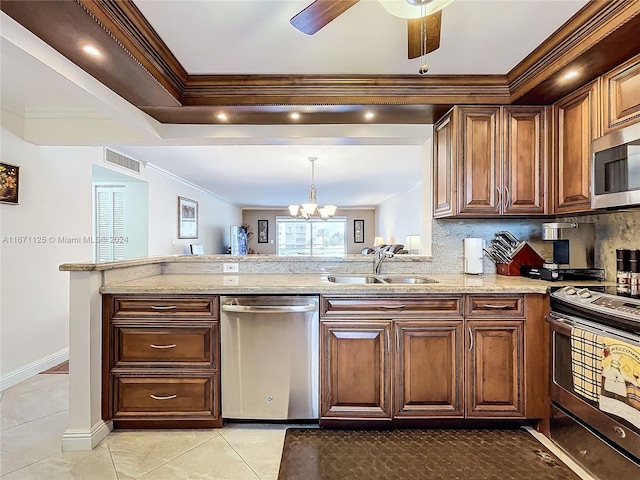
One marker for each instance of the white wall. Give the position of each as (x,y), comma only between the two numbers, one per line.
(214,217)
(55,202)
(409,212)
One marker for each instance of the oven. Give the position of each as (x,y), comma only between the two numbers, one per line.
(595,380)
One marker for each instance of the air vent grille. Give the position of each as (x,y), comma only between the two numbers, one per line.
(117,159)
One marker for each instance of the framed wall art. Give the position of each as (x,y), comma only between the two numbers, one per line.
(358,231)
(187,218)
(9,183)
(263,231)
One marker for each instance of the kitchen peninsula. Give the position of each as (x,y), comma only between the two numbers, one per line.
(463,301)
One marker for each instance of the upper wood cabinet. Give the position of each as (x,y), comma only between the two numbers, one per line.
(621,95)
(575,120)
(490,161)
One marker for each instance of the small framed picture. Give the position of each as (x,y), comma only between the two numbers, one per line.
(9,183)
(187,218)
(358,231)
(263,231)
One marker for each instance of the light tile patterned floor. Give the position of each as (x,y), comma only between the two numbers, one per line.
(33,417)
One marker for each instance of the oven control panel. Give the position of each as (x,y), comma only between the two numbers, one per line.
(599,302)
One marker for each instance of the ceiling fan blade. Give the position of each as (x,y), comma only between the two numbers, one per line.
(319,14)
(415,39)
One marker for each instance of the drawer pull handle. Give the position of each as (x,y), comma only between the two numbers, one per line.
(497,307)
(172,345)
(393,307)
(163,307)
(470,339)
(620,432)
(166,397)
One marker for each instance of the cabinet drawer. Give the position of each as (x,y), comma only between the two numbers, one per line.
(495,305)
(393,305)
(165,346)
(205,307)
(163,395)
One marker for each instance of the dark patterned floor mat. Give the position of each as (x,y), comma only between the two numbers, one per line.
(435,454)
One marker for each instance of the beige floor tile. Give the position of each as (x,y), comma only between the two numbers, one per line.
(259,445)
(137,452)
(33,441)
(25,402)
(214,460)
(93,465)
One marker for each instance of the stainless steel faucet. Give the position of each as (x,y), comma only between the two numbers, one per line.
(379,256)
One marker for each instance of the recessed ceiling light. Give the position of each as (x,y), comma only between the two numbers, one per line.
(222,116)
(91,50)
(571,74)
(369,115)
(294,116)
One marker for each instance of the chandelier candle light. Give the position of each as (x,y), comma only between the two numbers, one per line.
(306,210)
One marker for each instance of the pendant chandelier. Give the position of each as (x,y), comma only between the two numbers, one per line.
(306,210)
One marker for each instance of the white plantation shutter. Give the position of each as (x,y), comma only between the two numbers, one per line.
(109,223)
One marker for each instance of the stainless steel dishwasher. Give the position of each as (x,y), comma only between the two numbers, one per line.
(269,357)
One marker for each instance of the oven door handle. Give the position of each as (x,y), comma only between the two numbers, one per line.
(560,323)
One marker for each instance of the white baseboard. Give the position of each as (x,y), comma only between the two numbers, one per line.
(33,369)
(83,440)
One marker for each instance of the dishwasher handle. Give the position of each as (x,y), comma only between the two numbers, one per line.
(269,308)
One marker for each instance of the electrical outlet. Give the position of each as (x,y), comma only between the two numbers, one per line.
(230,268)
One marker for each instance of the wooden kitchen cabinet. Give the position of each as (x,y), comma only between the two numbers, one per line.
(494,368)
(494,365)
(621,95)
(367,376)
(490,161)
(576,124)
(429,368)
(355,359)
(161,361)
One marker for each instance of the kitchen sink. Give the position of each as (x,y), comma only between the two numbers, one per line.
(369,279)
(365,279)
(409,280)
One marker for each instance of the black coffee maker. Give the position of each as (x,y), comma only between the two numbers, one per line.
(573,253)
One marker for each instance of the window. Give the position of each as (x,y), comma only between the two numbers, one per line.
(313,237)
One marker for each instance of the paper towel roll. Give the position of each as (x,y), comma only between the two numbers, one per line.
(473,255)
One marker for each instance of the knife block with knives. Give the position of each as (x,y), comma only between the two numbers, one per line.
(510,254)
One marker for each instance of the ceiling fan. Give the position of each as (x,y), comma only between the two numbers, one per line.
(424,18)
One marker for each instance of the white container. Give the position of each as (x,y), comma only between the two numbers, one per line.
(473,255)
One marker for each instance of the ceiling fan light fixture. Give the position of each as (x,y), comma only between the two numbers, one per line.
(307,210)
(413,8)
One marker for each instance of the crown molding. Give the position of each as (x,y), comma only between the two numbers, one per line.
(142,69)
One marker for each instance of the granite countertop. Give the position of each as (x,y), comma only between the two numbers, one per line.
(299,283)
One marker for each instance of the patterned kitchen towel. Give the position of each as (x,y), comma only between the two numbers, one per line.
(621,380)
(586,363)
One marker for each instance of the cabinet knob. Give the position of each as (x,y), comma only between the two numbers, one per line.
(620,432)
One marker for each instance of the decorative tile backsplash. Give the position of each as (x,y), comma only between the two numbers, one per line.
(614,230)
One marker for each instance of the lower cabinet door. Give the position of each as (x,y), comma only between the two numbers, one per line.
(356,371)
(156,396)
(429,368)
(494,369)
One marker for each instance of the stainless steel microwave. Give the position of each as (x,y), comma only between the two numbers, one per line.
(615,170)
